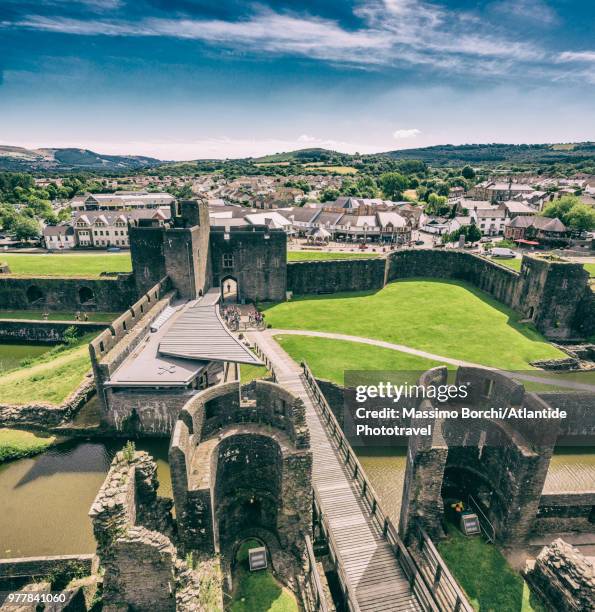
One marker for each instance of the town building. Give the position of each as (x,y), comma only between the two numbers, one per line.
(542,230)
(122,200)
(59,237)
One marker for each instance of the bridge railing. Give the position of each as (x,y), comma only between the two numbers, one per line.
(314,579)
(444,587)
(424,588)
(267,362)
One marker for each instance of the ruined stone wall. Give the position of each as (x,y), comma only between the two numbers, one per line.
(134,533)
(564,512)
(564,578)
(111,294)
(256,258)
(43,332)
(550,293)
(239,466)
(333,276)
(421,503)
(150,411)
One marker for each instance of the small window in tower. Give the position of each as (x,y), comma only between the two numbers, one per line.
(227,260)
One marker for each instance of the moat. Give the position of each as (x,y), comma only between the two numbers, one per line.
(45,500)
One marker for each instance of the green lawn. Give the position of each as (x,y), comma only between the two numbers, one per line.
(451,319)
(514,264)
(48,378)
(318,255)
(489,582)
(329,359)
(86,265)
(258,591)
(248,373)
(94,317)
(15,443)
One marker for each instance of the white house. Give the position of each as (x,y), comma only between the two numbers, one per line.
(59,237)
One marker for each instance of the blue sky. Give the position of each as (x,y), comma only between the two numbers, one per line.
(185,79)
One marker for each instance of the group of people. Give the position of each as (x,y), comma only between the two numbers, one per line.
(256,318)
(232,316)
(81,316)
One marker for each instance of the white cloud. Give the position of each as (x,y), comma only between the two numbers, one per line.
(529,10)
(577,56)
(403,134)
(395,33)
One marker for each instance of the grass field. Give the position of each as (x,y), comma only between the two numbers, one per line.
(67,265)
(15,443)
(515,264)
(258,591)
(318,255)
(94,317)
(330,359)
(248,373)
(483,572)
(336,169)
(50,377)
(451,319)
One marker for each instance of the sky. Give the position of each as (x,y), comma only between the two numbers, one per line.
(189,79)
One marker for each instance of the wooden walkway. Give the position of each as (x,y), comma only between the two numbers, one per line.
(373,576)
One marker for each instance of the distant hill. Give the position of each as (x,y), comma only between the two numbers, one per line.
(30,160)
(445,155)
(302,155)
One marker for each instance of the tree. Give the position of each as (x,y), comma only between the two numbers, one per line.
(580,217)
(471,232)
(437,205)
(329,194)
(572,212)
(393,184)
(468,173)
(25,228)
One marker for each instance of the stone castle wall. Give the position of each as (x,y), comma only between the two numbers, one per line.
(228,460)
(334,276)
(256,258)
(134,532)
(111,294)
(564,512)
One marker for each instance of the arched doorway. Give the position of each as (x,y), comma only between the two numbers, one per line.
(229,290)
(86,296)
(35,296)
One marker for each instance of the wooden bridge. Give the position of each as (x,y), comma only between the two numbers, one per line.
(375,569)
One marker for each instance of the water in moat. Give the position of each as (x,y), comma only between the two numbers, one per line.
(44,500)
(11,355)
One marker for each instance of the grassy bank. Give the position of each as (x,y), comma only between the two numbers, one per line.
(87,265)
(15,444)
(37,315)
(447,318)
(50,377)
(248,373)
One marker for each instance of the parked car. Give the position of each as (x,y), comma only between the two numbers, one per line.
(502,253)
